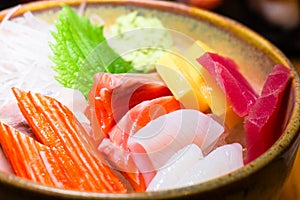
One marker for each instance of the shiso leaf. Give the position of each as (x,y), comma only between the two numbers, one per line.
(80,50)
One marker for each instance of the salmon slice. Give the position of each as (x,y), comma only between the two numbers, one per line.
(116,150)
(55,126)
(112,95)
(132,121)
(139,116)
(122,161)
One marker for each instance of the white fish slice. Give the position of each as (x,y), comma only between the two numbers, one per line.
(175,168)
(166,135)
(221,161)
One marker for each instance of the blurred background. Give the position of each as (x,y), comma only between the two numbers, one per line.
(276,20)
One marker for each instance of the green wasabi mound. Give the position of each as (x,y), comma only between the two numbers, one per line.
(140,40)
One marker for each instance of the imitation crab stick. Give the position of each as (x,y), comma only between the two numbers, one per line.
(55,126)
(48,169)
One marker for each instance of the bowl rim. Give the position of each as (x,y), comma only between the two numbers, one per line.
(290,135)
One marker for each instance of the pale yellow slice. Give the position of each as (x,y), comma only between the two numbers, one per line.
(183,80)
(193,85)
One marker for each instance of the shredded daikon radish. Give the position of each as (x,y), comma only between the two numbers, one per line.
(81,8)
(9,14)
(25,52)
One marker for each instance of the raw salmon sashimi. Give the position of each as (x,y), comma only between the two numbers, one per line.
(139,116)
(117,152)
(123,161)
(112,95)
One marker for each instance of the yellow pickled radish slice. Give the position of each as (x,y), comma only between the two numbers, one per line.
(183,80)
(215,97)
(179,86)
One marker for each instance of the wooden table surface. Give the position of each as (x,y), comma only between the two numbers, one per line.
(291,189)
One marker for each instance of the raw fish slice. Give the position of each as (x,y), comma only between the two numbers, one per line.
(264,124)
(164,136)
(123,161)
(221,161)
(112,95)
(237,89)
(175,168)
(216,97)
(139,116)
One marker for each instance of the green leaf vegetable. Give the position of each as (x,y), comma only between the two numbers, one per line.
(80,51)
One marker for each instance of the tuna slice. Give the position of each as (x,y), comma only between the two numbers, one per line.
(263,125)
(237,89)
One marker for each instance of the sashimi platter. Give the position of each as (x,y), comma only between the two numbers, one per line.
(130,105)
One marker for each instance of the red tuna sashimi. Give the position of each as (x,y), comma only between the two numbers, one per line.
(112,95)
(237,89)
(139,116)
(263,125)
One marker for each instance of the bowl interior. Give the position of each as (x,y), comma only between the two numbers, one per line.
(252,53)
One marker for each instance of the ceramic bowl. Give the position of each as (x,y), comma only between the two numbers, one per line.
(261,179)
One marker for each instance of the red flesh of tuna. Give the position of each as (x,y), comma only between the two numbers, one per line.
(237,89)
(263,125)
